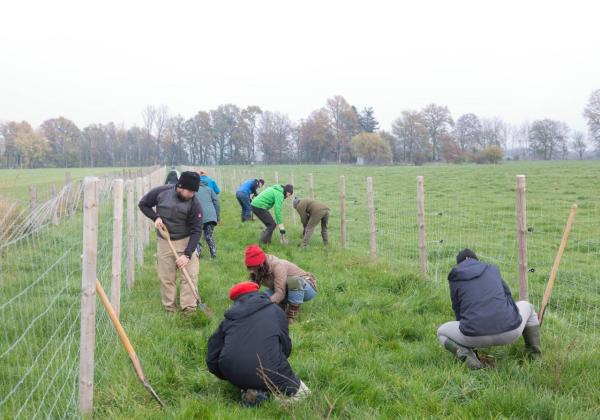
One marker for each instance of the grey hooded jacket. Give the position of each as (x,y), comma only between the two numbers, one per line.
(481,300)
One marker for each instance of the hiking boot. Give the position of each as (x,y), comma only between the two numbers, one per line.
(292,312)
(464,354)
(189,312)
(253,397)
(533,341)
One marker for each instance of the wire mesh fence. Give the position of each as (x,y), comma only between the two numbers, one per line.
(474,209)
(40,298)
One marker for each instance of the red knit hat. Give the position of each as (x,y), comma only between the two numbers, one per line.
(254,256)
(242,288)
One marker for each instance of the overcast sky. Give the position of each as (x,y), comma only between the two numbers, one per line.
(518,60)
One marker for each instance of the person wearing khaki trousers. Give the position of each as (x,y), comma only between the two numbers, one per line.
(167,274)
(177,209)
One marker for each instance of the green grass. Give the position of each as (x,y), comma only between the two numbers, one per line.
(14,183)
(366,346)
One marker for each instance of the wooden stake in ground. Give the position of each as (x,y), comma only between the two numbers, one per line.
(130,234)
(521,208)
(87,341)
(165,234)
(117,251)
(126,343)
(372,228)
(421,224)
(554,272)
(343,210)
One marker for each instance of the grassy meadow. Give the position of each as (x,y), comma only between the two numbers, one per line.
(366,345)
(14,183)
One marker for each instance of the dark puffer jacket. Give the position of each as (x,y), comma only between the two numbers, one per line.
(254,333)
(481,300)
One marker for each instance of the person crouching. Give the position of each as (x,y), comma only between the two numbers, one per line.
(287,284)
(486,314)
(250,349)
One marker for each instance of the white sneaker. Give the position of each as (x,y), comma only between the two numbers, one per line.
(302,392)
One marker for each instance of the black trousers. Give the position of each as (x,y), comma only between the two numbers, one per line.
(270,225)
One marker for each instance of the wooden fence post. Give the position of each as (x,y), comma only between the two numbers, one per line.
(140,223)
(32,197)
(293,209)
(55,206)
(521,207)
(117,251)
(343,210)
(88,296)
(372,229)
(68,194)
(147,222)
(130,234)
(311,186)
(421,225)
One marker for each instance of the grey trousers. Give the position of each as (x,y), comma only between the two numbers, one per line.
(450,330)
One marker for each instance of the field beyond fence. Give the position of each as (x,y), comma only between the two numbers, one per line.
(386,224)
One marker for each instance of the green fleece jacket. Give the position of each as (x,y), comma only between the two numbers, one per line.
(270,198)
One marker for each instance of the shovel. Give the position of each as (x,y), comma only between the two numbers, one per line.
(165,234)
(125,340)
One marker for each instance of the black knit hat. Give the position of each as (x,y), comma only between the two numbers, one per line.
(289,188)
(464,254)
(189,181)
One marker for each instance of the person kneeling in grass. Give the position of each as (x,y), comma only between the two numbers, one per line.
(288,285)
(251,347)
(486,314)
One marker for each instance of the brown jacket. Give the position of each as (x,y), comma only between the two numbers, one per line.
(279,271)
(308,206)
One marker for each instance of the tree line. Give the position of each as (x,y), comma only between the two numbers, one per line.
(336,133)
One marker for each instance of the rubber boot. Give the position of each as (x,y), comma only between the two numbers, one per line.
(464,354)
(292,312)
(533,341)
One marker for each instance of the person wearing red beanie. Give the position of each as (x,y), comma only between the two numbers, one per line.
(287,284)
(242,288)
(250,349)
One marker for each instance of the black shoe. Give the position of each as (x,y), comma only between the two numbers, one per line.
(253,397)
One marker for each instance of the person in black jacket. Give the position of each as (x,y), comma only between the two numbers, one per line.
(178,209)
(486,314)
(251,347)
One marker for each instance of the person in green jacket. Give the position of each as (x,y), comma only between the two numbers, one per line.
(312,212)
(271,198)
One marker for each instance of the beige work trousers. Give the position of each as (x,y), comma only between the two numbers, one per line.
(167,274)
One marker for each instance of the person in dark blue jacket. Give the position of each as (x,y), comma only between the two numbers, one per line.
(486,314)
(245,193)
(251,347)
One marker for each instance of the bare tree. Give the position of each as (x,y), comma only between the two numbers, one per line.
(412,133)
(547,137)
(579,145)
(467,132)
(592,116)
(438,122)
(344,124)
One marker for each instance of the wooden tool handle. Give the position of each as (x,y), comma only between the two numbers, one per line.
(559,254)
(120,331)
